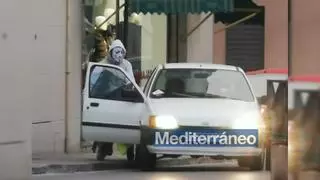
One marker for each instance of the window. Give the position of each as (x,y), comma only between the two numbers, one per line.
(202,83)
(108,83)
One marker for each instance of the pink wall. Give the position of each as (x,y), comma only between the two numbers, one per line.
(219,47)
(276,33)
(306,37)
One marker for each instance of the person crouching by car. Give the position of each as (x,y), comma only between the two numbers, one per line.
(116,56)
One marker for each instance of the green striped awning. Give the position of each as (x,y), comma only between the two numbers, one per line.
(180,6)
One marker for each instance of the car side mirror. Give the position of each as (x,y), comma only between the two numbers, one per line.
(131,95)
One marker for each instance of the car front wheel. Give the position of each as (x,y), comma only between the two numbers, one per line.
(255,163)
(196,156)
(146,161)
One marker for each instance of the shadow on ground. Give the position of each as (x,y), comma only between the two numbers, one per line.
(71,168)
(178,169)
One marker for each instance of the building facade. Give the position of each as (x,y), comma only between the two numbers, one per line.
(304,36)
(33,55)
(56,126)
(271,44)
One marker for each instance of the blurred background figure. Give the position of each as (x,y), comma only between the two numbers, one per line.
(98,40)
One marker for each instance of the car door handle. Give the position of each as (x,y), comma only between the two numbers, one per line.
(93,104)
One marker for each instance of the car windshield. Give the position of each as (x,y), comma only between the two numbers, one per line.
(201,83)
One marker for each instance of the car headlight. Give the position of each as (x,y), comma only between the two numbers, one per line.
(163,122)
(263,109)
(248,121)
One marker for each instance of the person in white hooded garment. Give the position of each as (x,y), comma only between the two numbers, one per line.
(116,56)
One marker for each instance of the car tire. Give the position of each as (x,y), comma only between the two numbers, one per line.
(145,160)
(196,156)
(255,163)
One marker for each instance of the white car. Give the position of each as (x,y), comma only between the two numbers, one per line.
(177,97)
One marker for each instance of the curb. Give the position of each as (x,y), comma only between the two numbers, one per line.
(116,165)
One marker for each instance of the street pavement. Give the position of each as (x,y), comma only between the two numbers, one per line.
(164,174)
(179,169)
(223,170)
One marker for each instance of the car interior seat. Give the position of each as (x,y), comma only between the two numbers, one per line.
(174,85)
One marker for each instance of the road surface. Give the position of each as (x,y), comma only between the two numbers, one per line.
(164,174)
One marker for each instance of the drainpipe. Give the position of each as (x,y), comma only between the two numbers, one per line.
(117,17)
(125,24)
(67,72)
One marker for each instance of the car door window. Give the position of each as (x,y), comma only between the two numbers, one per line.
(108,83)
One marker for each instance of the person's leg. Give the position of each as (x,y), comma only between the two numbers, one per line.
(130,152)
(100,153)
(104,149)
(94,146)
(109,148)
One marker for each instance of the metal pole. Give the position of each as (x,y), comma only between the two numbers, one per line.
(67,73)
(125,24)
(177,38)
(117,17)
(169,17)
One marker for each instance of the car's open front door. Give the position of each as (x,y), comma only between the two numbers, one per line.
(112,106)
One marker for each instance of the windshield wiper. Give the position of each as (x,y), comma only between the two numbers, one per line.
(173,95)
(184,95)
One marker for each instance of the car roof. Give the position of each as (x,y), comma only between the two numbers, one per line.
(199,66)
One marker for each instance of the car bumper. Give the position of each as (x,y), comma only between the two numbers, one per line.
(207,151)
(148,136)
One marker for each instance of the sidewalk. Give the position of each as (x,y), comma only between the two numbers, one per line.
(86,161)
(68,163)
(308,175)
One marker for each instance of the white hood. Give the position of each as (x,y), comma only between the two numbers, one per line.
(117,43)
(213,112)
